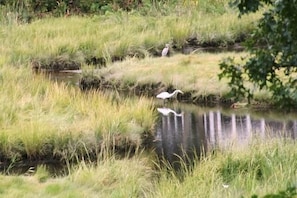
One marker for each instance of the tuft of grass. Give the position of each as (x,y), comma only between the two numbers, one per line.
(123,178)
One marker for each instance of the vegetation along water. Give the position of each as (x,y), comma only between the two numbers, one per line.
(102,137)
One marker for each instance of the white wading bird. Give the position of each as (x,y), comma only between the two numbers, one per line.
(165,51)
(165,95)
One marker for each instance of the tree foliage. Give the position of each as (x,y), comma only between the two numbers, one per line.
(59,7)
(272,64)
(26,10)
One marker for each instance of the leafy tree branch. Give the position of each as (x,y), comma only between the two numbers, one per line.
(272,64)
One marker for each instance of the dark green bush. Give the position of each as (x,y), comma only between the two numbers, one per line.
(66,6)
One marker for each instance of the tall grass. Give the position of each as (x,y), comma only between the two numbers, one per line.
(197,72)
(264,168)
(111,178)
(42,118)
(117,34)
(46,120)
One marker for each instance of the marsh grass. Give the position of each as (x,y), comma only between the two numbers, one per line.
(264,168)
(46,119)
(42,173)
(196,72)
(116,35)
(261,168)
(111,178)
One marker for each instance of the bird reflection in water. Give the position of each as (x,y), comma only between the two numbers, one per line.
(166,111)
(171,121)
(173,142)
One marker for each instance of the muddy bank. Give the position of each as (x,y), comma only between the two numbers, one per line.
(55,64)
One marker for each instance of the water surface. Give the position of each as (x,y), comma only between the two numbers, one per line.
(183,131)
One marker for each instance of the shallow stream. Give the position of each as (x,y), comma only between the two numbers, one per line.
(185,131)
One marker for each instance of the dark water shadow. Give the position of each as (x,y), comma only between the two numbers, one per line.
(174,141)
(69,77)
(53,167)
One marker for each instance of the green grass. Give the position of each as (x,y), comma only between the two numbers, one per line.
(40,118)
(116,35)
(111,178)
(262,168)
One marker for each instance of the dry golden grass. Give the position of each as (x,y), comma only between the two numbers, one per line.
(196,72)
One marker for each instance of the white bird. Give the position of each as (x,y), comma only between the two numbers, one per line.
(165,95)
(165,51)
(167,111)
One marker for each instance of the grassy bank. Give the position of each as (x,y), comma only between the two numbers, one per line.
(195,74)
(114,36)
(264,168)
